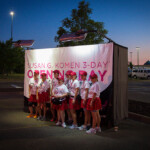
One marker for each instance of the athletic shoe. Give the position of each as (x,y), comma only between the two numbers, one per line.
(52,120)
(91,131)
(58,123)
(98,129)
(30,116)
(83,127)
(35,116)
(73,127)
(64,125)
(39,117)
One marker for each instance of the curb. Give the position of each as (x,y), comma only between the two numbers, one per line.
(139,117)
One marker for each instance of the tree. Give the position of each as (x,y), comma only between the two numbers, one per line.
(131,65)
(80,19)
(12,58)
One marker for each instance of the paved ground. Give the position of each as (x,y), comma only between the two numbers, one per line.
(18,132)
(139,90)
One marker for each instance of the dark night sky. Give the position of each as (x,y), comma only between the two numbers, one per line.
(128,21)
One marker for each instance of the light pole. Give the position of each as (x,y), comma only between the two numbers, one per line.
(138,48)
(12,14)
(131,57)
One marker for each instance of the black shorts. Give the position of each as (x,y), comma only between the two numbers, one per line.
(32,103)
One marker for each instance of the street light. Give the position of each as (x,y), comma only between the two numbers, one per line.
(138,48)
(12,14)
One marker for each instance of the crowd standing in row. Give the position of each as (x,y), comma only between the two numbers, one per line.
(66,95)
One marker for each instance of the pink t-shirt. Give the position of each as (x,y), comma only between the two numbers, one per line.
(95,88)
(85,85)
(34,85)
(44,86)
(60,90)
(74,84)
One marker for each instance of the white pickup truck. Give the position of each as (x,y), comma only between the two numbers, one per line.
(141,73)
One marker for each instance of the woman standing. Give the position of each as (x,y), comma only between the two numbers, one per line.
(94,104)
(84,90)
(43,96)
(60,92)
(73,102)
(54,85)
(33,94)
(68,82)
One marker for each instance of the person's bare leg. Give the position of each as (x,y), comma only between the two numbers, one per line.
(45,110)
(58,115)
(69,114)
(98,118)
(39,109)
(86,117)
(52,111)
(31,110)
(74,117)
(94,117)
(62,115)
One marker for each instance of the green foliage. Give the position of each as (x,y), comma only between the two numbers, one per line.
(80,19)
(11,58)
(131,65)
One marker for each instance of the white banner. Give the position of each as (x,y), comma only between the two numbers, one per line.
(91,58)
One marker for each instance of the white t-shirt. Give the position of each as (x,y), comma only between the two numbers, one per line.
(54,83)
(85,85)
(95,88)
(66,80)
(44,86)
(34,84)
(69,85)
(60,90)
(74,84)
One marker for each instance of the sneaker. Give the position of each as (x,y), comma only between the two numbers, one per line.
(52,120)
(98,129)
(39,118)
(58,123)
(91,131)
(35,116)
(30,116)
(73,127)
(83,127)
(43,119)
(64,125)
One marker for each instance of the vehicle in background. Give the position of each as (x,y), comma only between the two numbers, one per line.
(129,72)
(141,73)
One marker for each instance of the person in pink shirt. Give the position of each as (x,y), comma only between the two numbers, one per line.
(73,102)
(84,90)
(60,92)
(33,94)
(43,96)
(94,104)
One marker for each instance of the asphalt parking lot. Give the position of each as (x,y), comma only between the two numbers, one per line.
(19,132)
(139,90)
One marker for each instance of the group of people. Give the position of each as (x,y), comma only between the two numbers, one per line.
(71,96)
